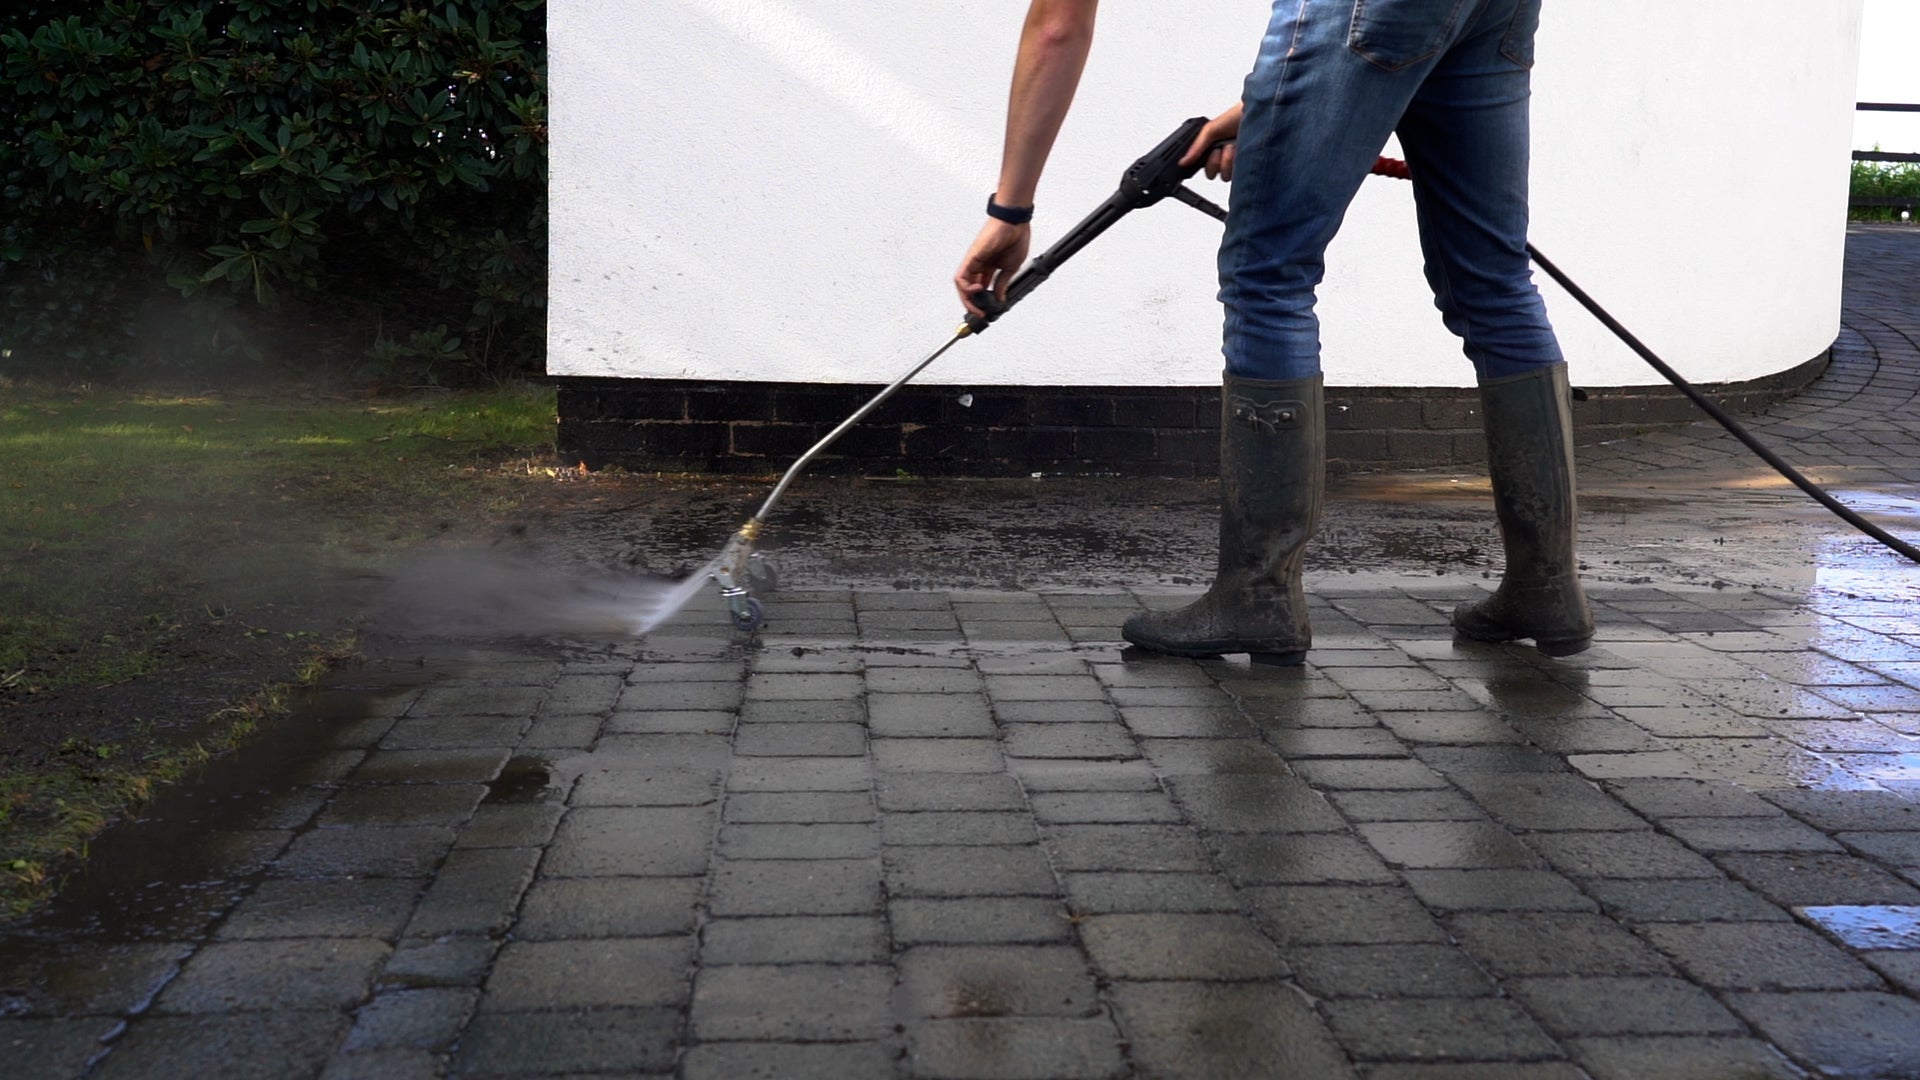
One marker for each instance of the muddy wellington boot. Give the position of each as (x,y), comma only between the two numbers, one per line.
(1529,426)
(1273,451)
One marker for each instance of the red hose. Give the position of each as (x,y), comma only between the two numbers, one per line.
(1393,167)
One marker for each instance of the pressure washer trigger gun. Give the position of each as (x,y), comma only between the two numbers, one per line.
(1157,175)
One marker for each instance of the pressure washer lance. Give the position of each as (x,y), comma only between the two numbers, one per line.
(1155,177)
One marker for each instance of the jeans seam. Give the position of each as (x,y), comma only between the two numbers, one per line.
(1234,318)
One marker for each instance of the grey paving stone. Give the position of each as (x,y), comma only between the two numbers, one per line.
(1343,915)
(959,828)
(806,1003)
(53,1047)
(1055,712)
(720,671)
(760,712)
(789,1061)
(454,732)
(1697,900)
(365,852)
(454,960)
(395,1063)
(504,825)
(1051,776)
(403,804)
(1337,743)
(295,909)
(636,785)
(1104,807)
(804,686)
(968,871)
(665,752)
(1472,728)
(929,716)
(242,1046)
(1840,811)
(795,939)
(1079,741)
(1213,757)
(600,973)
(1893,848)
(1812,880)
(1209,1030)
(979,920)
(1214,721)
(913,792)
(1624,1006)
(671,722)
(410,1019)
(632,842)
(475,892)
(1254,804)
(800,774)
(799,841)
(83,979)
(704,696)
(1554,943)
(1045,688)
(1374,971)
(1216,947)
(628,1041)
(800,807)
(1107,893)
(800,740)
(1620,855)
(800,887)
(1679,1057)
(617,907)
(944,981)
(1013,1048)
(1497,890)
(1151,848)
(1300,859)
(1369,775)
(1406,806)
(315,973)
(1448,760)
(1470,1029)
(457,701)
(1481,1070)
(937,755)
(1748,834)
(924,680)
(1430,845)
(1901,968)
(1760,956)
(1153,671)
(1546,801)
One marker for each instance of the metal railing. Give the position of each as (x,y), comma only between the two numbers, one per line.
(1896,202)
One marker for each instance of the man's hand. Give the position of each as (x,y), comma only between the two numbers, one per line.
(996,255)
(1222,129)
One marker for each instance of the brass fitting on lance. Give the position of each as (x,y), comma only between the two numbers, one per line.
(751,530)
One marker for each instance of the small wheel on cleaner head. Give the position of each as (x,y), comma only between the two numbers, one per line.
(747,614)
(761,576)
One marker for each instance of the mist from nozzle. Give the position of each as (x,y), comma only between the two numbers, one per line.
(492,594)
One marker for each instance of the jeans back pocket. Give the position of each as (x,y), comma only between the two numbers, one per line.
(1396,34)
(1517,45)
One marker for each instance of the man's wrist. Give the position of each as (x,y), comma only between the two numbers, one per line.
(1012,215)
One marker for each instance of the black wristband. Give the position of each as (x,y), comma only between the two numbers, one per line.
(1012,215)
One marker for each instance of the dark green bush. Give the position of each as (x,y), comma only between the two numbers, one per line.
(1878,180)
(273,180)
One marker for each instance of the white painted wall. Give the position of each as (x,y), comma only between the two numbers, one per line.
(780,189)
(1889,71)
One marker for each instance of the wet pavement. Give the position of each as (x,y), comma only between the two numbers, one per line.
(935,822)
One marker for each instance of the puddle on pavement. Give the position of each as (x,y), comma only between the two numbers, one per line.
(523,780)
(1869,927)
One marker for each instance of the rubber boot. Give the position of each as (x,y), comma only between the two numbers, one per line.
(1529,425)
(1273,451)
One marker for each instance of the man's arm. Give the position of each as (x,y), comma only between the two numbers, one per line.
(1054,44)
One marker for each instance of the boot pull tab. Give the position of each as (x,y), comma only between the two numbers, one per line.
(1271,417)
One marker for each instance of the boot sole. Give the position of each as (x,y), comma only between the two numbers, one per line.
(1256,654)
(1561,647)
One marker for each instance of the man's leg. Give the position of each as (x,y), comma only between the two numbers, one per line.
(1466,138)
(1331,81)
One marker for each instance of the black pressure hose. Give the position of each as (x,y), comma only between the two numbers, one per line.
(1398,170)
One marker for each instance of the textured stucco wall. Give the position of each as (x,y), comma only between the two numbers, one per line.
(778,190)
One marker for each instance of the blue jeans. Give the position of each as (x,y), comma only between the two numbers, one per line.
(1334,79)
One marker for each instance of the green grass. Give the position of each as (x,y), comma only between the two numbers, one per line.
(163,570)
(1883,180)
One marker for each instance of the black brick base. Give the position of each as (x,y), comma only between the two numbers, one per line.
(759,428)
